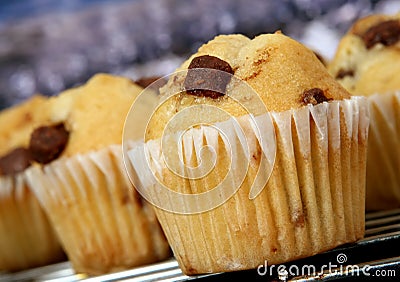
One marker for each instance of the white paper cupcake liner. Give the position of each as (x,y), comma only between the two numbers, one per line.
(313,200)
(27,239)
(102,222)
(383,166)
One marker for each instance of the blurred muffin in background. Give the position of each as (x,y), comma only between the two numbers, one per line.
(367,62)
(80,179)
(27,238)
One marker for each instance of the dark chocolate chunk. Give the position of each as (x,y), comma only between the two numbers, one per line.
(342,73)
(314,96)
(48,142)
(15,161)
(205,82)
(146,81)
(386,33)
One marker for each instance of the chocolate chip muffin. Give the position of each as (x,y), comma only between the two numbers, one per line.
(367,62)
(288,156)
(26,237)
(366,58)
(79,177)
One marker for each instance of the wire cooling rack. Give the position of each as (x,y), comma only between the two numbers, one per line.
(377,255)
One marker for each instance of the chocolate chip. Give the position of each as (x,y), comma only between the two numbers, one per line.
(146,81)
(342,73)
(15,161)
(205,82)
(48,142)
(386,33)
(314,96)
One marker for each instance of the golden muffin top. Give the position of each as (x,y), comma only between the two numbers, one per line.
(278,71)
(76,121)
(94,114)
(17,123)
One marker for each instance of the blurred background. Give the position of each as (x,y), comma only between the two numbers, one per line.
(47,46)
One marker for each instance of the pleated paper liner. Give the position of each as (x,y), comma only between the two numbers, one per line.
(383,165)
(313,201)
(103,224)
(27,239)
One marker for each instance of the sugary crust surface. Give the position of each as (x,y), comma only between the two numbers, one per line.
(225,47)
(17,123)
(279,69)
(364,70)
(95,112)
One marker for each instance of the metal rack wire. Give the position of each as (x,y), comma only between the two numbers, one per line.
(377,255)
